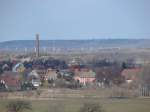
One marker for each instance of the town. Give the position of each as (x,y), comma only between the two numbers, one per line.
(38,76)
(74,56)
(47,70)
(33,72)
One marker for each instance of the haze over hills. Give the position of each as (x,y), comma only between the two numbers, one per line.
(77,44)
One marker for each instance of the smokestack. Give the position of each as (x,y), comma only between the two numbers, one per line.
(37,45)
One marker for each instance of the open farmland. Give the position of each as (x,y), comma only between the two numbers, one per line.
(65,100)
(73,105)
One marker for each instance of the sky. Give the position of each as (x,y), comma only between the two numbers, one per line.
(74,19)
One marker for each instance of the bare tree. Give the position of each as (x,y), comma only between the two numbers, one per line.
(144,76)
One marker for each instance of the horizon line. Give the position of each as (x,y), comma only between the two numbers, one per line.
(77,39)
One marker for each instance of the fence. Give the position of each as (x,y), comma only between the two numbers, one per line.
(145,91)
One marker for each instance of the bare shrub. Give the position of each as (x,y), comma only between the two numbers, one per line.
(91,107)
(18,106)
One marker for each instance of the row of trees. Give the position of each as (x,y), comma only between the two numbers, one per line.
(108,72)
(46,63)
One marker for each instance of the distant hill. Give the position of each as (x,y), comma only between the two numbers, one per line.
(76,44)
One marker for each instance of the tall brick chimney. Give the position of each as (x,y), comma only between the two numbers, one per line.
(37,45)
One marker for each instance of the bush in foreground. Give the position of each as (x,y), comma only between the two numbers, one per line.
(91,107)
(18,106)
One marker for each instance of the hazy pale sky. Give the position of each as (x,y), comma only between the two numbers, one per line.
(74,19)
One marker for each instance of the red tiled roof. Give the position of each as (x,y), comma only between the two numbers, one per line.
(10,78)
(131,74)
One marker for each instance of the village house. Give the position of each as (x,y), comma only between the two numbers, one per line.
(51,74)
(5,67)
(11,80)
(34,78)
(130,75)
(74,62)
(85,76)
(19,67)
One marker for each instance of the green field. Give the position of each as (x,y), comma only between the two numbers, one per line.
(73,105)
